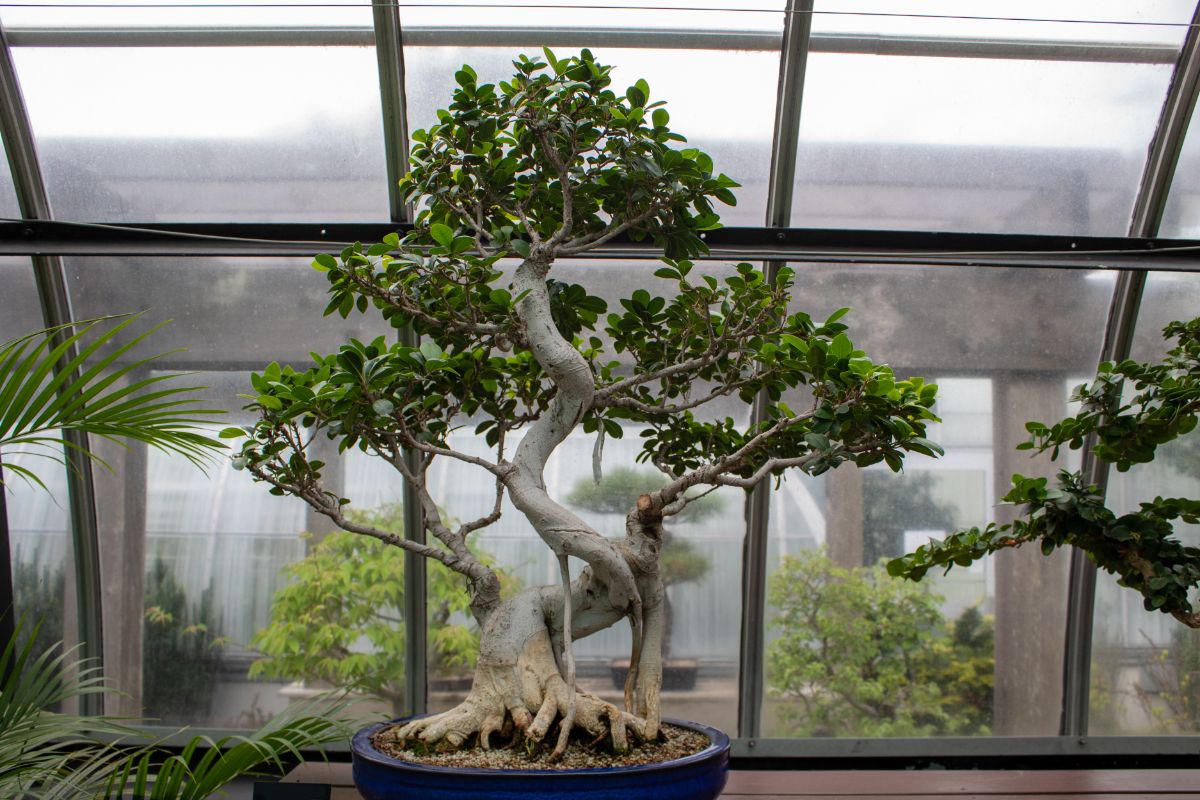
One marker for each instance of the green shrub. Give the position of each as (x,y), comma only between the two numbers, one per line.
(859,654)
(181,650)
(340,618)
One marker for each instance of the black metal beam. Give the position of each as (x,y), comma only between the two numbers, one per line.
(57,238)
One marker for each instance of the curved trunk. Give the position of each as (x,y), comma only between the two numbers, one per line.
(563,531)
(520,678)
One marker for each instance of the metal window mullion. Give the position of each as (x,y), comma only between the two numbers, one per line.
(389,54)
(1146,219)
(17,135)
(793,59)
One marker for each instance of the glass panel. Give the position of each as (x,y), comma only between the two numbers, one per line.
(180,547)
(702,558)
(1181,215)
(8,195)
(1145,665)
(142,13)
(1157,21)
(694,83)
(953,655)
(38,523)
(973,144)
(208,134)
(735,15)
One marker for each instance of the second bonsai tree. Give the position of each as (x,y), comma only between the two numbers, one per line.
(546,166)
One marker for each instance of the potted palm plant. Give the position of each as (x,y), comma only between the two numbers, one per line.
(514,177)
(80,377)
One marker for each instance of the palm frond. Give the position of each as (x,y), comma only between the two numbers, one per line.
(204,765)
(77,377)
(39,748)
(53,756)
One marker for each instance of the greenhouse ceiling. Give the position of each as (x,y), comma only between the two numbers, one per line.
(1043,135)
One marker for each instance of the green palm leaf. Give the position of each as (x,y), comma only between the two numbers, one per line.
(51,756)
(205,765)
(40,749)
(80,377)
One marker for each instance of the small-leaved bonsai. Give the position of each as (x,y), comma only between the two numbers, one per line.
(1141,547)
(546,166)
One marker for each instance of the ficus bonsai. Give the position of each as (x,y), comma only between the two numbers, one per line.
(1141,547)
(549,165)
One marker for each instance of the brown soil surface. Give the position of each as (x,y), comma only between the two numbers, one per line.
(674,743)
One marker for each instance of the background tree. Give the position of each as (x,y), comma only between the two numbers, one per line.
(549,165)
(181,649)
(861,655)
(340,620)
(1140,547)
(895,504)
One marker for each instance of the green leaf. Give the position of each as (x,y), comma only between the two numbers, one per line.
(442,234)
(324,262)
(841,346)
(520,247)
(835,316)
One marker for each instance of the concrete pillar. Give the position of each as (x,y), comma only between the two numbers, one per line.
(121,508)
(844,515)
(1031,589)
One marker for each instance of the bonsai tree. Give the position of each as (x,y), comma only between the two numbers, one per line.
(1140,547)
(679,561)
(545,166)
(349,590)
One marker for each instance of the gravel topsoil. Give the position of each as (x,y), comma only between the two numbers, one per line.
(675,742)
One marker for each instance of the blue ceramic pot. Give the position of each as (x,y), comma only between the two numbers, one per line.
(696,777)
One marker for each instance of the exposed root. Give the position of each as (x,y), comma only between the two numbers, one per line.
(498,709)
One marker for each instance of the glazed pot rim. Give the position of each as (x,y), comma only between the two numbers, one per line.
(362,747)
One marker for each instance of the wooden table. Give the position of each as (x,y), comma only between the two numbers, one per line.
(1149,784)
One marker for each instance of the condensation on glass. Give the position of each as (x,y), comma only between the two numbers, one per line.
(203,548)
(939,140)
(154,14)
(1097,21)
(722,101)
(978,651)
(1181,216)
(38,523)
(1145,665)
(237,134)
(702,557)
(8,194)
(682,15)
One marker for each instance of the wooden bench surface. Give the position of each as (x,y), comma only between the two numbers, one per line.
(1169,784)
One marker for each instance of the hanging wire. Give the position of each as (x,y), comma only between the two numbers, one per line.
(607,7)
